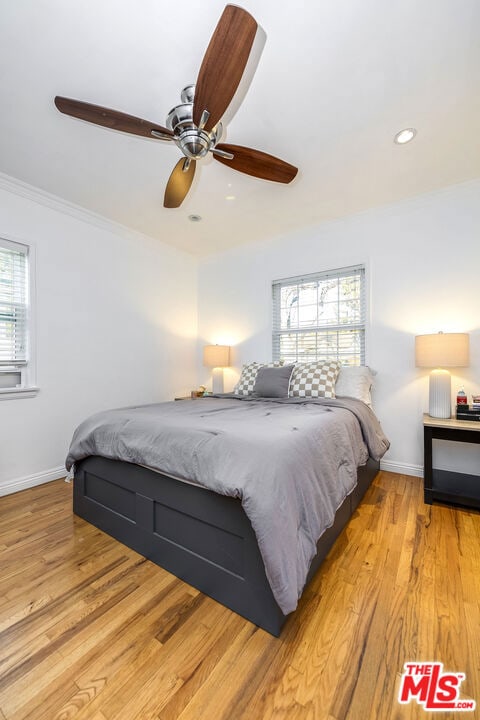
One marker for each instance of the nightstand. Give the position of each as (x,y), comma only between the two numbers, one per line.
(444,485)
(189,397)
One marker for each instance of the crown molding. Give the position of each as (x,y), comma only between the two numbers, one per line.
(53,202)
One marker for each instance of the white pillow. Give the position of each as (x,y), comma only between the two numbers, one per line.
(355,381)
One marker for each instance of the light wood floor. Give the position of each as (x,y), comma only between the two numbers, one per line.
(92,631)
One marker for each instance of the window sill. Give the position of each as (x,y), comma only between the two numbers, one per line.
(13,393)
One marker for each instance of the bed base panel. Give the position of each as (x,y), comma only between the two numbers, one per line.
(201,537)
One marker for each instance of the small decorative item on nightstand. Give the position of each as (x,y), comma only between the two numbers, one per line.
(464,412)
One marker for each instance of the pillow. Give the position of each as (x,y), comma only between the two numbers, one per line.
(314,379)
(273,381)
(355,381)
(249,374)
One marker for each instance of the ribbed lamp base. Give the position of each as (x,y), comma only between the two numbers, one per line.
(440,394)
(217,380)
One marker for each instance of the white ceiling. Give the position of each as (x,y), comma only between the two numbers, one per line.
(336,81)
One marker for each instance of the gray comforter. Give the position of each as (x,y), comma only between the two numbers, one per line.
(291,463)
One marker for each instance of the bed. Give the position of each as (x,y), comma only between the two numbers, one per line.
(223,492)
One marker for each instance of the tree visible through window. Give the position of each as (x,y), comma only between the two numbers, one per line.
(321,315)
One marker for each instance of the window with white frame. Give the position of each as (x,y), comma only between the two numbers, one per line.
(15,357)
(320,315)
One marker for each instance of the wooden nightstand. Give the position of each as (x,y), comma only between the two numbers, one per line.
(444,485)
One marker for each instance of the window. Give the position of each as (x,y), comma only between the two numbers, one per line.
(319,316)
(16,371)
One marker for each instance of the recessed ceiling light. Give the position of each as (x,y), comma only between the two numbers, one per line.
(194,218)
(229,197)
(404,136)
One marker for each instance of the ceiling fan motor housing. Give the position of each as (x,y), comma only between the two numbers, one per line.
(192,141)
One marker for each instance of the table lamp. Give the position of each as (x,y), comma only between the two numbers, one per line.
(216,357)
(440,351)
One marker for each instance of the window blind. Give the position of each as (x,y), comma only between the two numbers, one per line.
(320,316)
(13,303)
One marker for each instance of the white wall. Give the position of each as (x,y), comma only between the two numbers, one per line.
(116,324)
(423,263)
(117,316)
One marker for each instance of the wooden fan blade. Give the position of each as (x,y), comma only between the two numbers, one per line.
(256,163)
(223,64)
(179,184)
(109,118)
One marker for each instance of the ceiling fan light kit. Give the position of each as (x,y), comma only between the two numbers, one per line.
(195,124)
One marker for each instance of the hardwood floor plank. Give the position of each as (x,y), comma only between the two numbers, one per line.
(262,696)
(135,682)
(89,630)
(228,626)
(145,699)
(243,658)
(95,665)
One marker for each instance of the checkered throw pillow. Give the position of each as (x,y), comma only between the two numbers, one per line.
(314,379)
(249,375)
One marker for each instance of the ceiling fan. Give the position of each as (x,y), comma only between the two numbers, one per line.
(194,125)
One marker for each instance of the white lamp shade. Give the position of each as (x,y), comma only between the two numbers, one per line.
(442,350)
(216,356)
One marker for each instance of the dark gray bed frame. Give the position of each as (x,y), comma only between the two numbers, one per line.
(201,537)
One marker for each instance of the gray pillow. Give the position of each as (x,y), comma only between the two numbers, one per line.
(273,381)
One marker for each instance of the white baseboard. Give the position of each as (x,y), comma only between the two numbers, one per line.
(401,468)
(13,486)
